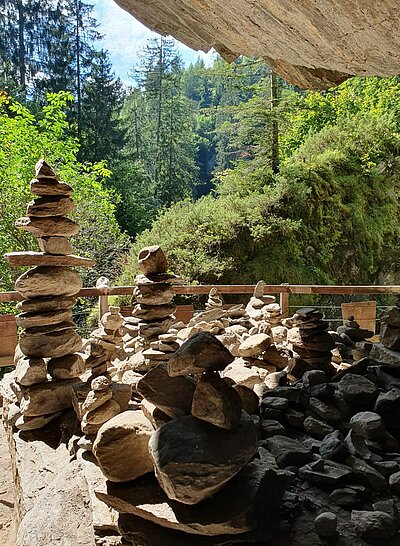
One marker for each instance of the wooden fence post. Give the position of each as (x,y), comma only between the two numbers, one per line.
(104,284)
(284,301)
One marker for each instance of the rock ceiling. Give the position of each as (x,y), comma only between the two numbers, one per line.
(314,44)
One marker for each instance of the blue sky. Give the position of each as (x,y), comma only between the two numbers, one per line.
(124,36)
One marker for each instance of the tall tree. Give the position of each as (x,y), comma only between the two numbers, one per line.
(101,100)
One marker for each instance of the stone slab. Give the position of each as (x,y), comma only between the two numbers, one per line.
(30,258)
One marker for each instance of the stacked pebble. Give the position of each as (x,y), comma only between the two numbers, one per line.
(48,343)
(309,341)
(351,344)
(214,300)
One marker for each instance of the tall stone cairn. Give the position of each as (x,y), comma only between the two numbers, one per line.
(155,309)
(47,358)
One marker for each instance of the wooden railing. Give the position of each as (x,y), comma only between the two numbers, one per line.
(284,291)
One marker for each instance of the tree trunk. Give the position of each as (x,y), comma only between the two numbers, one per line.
(78,67)
(21,46)
(275,128)
(159,109)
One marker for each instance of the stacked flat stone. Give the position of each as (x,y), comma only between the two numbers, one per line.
(48,343)
(155,309)
(351,341)
(309,341)
(387,352)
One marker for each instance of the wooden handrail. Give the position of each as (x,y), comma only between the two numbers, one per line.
(6,297)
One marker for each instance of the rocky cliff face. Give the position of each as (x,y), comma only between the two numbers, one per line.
(314,45)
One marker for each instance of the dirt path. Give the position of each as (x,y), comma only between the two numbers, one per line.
(7,528)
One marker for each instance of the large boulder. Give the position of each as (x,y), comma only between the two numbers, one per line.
(250,498)
(202,352)
(121,447)
(50,342)
(193,459)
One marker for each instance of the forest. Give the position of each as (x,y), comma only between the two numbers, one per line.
(237,174)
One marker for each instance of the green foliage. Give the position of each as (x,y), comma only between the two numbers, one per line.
(330,216)
(23,141)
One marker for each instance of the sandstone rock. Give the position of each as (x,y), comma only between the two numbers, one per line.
(325,411)
(121,447)
(373,525)
(172,395)
(250,498)
(20,259)
(394,482)
(369,425)
(45,304)
(153,312)
(29,320)
(156,417)
(279,334)
(50,226)
(255,345)
(50,206)
(249,376)
(156,294)
(25,423)
(193,459)
(104,413)
(50,344)
(216,402)
(92,401)
(66,367)
(55,245)
(112,320)
(46,398)
(100,383)
(201,352)
(325,524)
(48,281)
(44,170)
(30,371)
(42,188)
(154,328)
(151,259)
(248,397)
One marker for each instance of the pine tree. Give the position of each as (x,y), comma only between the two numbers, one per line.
(101,101)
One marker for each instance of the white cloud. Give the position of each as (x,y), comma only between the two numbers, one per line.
(124,36)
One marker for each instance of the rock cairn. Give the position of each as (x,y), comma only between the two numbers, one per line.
(387,352)
(48,344)
(309,341)
(203,449)
(214,300)
(351,342)
(99,399)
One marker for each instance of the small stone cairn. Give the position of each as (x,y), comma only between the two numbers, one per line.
(309,341)
(351,342)
(48,344)
(99,398)
(387,352)
(147,339)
